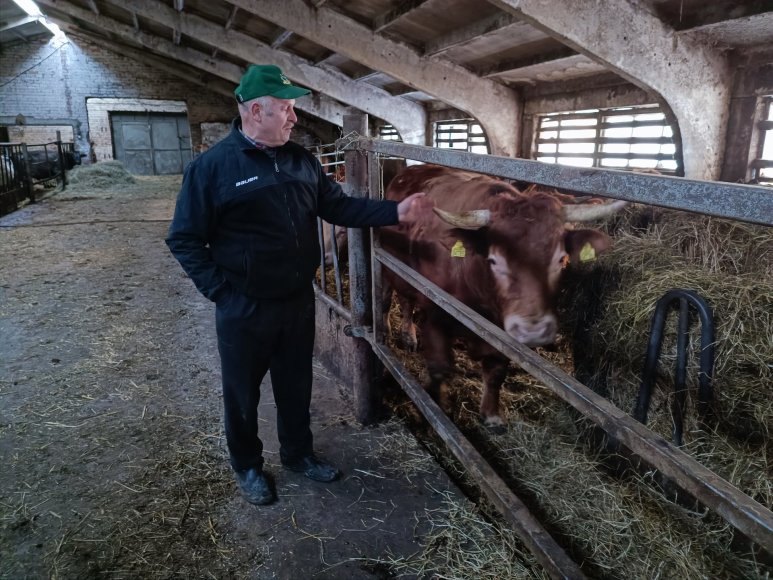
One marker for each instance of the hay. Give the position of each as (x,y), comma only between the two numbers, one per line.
(463,543)
(731,266)
(621,523)
(101,175)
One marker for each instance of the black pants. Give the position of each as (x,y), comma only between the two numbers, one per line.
(254,337)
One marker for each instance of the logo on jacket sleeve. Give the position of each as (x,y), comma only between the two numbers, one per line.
(246,181)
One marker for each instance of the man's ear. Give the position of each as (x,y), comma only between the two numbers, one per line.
(256,110)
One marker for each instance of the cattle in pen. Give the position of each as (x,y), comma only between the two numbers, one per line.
(496,249)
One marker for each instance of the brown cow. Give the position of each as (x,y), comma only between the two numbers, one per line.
(499,251)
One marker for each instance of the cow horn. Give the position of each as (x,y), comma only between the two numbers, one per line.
(468,220)
(589,212)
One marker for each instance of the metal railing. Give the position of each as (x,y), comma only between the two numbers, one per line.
(24,166)
(740,202)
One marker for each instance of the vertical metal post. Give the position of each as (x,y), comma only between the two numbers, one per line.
(366,400)
(28,173)
(374,176)
(60,153)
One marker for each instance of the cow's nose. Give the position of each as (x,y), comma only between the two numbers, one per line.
(530,331)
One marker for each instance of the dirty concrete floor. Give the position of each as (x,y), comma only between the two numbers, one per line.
(114,461)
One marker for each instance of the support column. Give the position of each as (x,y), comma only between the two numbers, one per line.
(366,398)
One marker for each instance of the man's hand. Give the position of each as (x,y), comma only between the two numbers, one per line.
(414,207)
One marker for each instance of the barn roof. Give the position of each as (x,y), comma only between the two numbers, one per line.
(491,42)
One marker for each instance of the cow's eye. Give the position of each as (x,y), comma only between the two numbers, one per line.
(491,260)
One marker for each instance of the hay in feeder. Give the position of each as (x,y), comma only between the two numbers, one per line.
(622,524)
(730,265)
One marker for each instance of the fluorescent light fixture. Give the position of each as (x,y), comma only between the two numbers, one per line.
(32,10)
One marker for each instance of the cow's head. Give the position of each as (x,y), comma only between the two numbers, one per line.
(526,244)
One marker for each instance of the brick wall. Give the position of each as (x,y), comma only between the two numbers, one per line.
(54,79)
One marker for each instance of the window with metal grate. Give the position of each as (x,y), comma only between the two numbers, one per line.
(621,138)
(388,133)
(464,134)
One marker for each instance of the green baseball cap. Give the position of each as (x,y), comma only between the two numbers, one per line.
(261,80)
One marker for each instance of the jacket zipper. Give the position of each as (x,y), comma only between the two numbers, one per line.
(289,213)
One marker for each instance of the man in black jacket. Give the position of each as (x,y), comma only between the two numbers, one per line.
(245,231)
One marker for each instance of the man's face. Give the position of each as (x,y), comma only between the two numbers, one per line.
(275,119)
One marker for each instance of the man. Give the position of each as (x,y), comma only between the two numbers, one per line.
(245,231)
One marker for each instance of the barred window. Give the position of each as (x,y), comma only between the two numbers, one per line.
(622,138)
(464,134)
(763,164)
(388,133)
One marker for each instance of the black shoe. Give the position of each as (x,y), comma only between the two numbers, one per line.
(313,468)
(255,486)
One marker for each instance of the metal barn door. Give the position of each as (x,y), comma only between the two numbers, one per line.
(152,143)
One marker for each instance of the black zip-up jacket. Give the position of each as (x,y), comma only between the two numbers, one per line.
(246,218)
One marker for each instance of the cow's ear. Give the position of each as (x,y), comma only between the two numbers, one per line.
(585,245)
(473,240)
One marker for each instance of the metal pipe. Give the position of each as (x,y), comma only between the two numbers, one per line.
(749,203)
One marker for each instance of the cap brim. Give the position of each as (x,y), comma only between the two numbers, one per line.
(290,92)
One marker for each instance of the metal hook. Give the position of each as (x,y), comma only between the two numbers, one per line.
(685,299)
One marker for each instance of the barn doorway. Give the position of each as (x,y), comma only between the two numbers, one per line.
(151,143)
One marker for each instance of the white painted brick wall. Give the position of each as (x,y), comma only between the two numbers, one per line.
(54,79)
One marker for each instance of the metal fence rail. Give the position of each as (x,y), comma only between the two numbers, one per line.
(748,203)
(745,203)
(24,166)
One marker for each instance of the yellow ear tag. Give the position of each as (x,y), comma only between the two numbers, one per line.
(588,253)
(458,251)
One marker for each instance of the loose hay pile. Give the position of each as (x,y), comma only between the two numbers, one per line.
(101,175)
(623,525)
(111,179)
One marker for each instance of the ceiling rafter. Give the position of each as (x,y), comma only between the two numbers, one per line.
(408,117)
(466,34)
(18,22)
(135,21)
(497,107)
(509,66)
(391,16)
(231,17)
(281,38)
(227,26)
(321,107)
